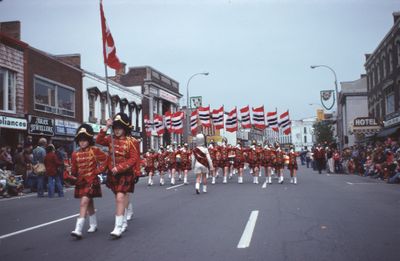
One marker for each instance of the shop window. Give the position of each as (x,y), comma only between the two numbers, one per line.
(92,108)
(7,90)
(53,98)
(390,103)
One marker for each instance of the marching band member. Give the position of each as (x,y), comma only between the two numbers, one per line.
(86,164)
(150,159)
(253,162)
(212,149)
(225,164)
(279,162)
(121,177)
(172,165)
(186,160)
(162,164)
(239,161)
(201,162)
(292,165)
(268,159)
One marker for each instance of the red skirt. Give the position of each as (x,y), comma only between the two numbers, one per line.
(88,188)
(123,182)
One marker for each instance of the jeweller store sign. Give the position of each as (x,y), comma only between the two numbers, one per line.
(40,126)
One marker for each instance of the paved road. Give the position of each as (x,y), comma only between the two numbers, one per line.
(324,217)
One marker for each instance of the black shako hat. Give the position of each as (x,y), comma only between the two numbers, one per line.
(84,132)
(121,120)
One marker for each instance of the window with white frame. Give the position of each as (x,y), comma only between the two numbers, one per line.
(103,101)
(390,103)
(7,90)
(53,97)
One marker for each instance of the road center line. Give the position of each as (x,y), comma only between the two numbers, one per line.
(38,226)
(176,186)
(248,231)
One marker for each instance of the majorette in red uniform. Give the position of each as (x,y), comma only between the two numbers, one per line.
(224,160)
(150,159)
(86,164)
(213,149)
(121,177)
(239,159)
(162,164)
(269,159)
(254,161)
(292,165)
(186,162)
(279,162)
(172,164)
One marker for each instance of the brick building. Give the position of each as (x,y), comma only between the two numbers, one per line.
(383,81)
(41,92)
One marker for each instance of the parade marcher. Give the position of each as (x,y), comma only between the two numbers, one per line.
(162,164)
(268,157)
(238,164)
(292,165)
(279,162)
(225,164)
(86,163)
(212,149)
(253,162)
(319,157)
(121,177)
(201,162)
(150,159)
(186,162)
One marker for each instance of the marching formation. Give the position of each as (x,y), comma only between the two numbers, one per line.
(177,161)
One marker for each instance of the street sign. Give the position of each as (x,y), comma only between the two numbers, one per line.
(196,101)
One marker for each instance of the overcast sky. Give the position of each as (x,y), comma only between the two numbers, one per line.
(257,52)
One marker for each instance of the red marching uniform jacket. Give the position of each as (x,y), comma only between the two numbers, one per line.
(127,155)
(88,163)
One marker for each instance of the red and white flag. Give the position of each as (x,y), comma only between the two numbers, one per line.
(109,50)
(272,119)
(177,122)
(218,118)
(245,116)
(193,122)
(147,125)
(204,116)
(167,121)
(231,121)
(158,124)
(259,117)
(284,123)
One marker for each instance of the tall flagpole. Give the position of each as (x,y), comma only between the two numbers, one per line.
(110,112)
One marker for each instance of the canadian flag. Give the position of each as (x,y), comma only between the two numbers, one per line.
(158,124)
(272,119)
(204,116)
(259,117)
(245,116)
(177,122)
(109,51)
(285,123)
(231,121)
(218,118)
(147,125)
(193,122)
(167,121)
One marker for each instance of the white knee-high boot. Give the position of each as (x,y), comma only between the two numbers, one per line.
(124,221)
(130,212)
(92,223)
(78,228)
(116,233)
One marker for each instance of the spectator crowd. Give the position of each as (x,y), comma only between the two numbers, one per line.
(380,160)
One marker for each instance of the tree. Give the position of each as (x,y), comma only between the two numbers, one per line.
(323,131)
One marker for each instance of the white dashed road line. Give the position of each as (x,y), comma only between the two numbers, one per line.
(248,231)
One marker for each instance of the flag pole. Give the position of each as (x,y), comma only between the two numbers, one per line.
(110,112)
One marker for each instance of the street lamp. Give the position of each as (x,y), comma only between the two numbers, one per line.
(337,98)
(188,103)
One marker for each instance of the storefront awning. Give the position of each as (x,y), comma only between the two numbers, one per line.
(387,132)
